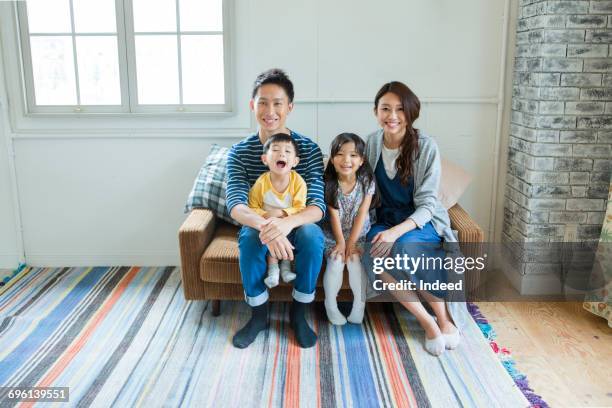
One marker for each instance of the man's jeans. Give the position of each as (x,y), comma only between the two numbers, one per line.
(308,256)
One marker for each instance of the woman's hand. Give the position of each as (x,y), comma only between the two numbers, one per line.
(352,249)
(338,252)
(383,242)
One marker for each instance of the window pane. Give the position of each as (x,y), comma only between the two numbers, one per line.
(157,69)
(49,16)
(98,64)
(94,16)
(201,15)
(53,68)
(154,15)
(202,64)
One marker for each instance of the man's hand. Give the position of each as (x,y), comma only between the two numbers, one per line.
(281,248)
(383,242)
(274,228)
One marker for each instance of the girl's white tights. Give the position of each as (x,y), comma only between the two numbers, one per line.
(332,282)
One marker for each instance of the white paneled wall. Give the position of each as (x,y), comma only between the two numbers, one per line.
(111,190)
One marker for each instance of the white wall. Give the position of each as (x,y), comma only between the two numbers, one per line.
(111,190)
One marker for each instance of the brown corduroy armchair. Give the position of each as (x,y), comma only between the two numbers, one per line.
(209,258)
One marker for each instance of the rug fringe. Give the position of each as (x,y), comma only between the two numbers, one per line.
(508,362)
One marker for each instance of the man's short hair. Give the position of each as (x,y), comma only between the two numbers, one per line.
(281,137)
(274,76)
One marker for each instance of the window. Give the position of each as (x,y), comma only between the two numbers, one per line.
(92,56)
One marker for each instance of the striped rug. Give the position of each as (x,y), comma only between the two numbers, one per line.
(126,337)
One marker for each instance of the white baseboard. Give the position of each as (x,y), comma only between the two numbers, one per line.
(123,258)
(9,260)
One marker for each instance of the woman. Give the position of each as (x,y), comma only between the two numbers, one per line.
(411,220)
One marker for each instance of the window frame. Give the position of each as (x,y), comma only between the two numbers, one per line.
(127,69)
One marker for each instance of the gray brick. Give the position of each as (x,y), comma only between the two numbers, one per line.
(584,204)
(543,163)
(525,119)
(545,21)
(601,177)
(598,190)
(534,64)
(540,190)
(551,107)
(588,232)
(524,105)
(523,132)
(546,204)
(520,185)
(596,218)
(564,36)
(598,65)
(568,164)
(528,50)
(557,94)
(607,80)
(582,21)
(581,80)
(553,50)
(599,36)
(578,136)
(520,145)
(547,177)
(566,217)
(604,136)
(535,36)
(556,122)
(595,122)
(567,7)
(579,191)
(575,108)
(521,158)
(600,7)
(596,94)
(593,150)
(546,79)
(551,150)
(538,217)
(527,92)
(579,178)
(520,65)
(587,50)
(533,10)
(602,165)
(521,78)
(516,196)
(544,230)
(547,136)
(608,108)
(561,65)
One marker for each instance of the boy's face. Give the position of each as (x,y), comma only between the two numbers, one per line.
(271,107)
(280,158)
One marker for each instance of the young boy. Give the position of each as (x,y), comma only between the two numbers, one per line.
(279,193)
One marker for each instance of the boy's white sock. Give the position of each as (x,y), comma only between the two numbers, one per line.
(332,282)
(285,270)
(272,278)
(357,282)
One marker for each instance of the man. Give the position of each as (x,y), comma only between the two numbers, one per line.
(293,237)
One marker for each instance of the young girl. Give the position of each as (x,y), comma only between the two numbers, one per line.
(349,191)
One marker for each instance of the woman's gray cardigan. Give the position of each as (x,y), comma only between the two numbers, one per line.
(426,171)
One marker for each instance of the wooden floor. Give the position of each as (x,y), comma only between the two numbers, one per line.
(565,351)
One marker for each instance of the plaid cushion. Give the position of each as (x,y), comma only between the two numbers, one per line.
(209,187)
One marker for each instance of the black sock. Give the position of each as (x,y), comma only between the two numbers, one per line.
(303,333)
(258,322)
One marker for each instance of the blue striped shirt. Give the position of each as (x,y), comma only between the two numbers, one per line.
(244,166)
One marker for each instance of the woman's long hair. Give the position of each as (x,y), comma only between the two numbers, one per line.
(364,175)
(409,147)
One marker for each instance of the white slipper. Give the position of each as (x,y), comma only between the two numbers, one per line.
(436,345)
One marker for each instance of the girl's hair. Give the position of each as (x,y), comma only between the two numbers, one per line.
(409,147)
(365,175)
